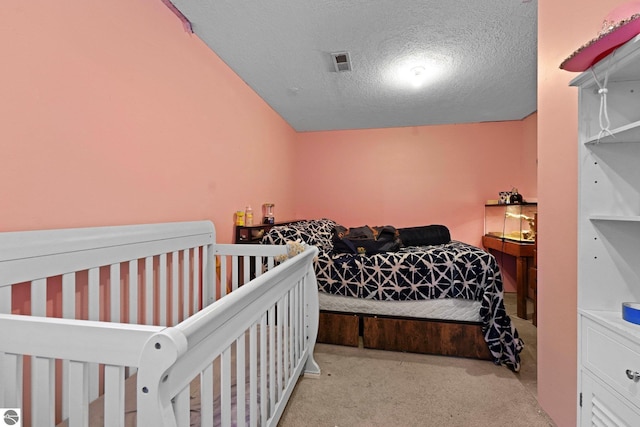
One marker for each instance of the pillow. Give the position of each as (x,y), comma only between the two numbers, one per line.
(425,235)
(312,232)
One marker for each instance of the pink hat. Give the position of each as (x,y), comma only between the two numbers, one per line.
(618,27)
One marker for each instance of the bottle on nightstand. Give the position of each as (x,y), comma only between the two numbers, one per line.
(248,216)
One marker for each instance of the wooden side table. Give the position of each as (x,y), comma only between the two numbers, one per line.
(524,258)
(253,233)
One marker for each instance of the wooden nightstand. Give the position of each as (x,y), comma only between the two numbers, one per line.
(253,233)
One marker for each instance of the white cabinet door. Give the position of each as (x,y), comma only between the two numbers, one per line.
(601,407)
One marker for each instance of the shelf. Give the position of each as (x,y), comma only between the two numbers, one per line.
(615,218)
(511,204)
(624,66)
(626,133)
(498,235)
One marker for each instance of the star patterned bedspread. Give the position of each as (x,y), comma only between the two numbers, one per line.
(452,270)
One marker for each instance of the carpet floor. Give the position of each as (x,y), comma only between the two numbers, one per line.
(364,387)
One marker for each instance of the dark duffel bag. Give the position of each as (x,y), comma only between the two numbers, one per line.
(365,240)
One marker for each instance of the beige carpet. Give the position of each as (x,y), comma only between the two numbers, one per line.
(361,387)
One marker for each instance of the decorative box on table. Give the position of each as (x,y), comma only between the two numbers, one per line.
(511,221)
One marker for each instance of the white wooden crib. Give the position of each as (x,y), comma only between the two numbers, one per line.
(152,325)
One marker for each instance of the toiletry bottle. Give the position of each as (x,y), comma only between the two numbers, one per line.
(248,216)
(240,218)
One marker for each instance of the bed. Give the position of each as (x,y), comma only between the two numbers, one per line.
(152,325)
(439,298)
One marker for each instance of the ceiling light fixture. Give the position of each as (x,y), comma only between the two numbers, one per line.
(416,70)
(418,75)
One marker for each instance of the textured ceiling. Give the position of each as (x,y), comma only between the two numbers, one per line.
(483,53)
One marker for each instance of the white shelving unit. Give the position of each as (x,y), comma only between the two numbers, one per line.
(609,242)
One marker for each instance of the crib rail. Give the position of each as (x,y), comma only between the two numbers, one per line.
(271,321)
(82,345)
(82,273)
(238,264)
(83,287)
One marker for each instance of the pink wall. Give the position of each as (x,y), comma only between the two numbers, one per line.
(530,156)
(112,114)
(413,175)
(417,175)
(562,28)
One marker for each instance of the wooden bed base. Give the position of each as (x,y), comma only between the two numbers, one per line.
(441,337)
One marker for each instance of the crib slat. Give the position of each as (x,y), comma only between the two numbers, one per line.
(148,290)
(43,391)
(134,302)
(272,362)
(201,258)
(206,396)
(235,275)
(263,368)
(208,274)
(241,380)
(301,332)
(182,408)
(133,291)
(39,297)
(246,273)
(253,376)
(94,314)
(235,267)
(225,388)
(186,290)
(196,281)
(288,348)
(68,312)
(224,275)
(175,289)
(94,294)
(11,369)
(5,300)
(293,315)
(257,265)
(7,386)
(113,395)
(69,296)
(162,271)
(114,291)
(279,355)
(78,396)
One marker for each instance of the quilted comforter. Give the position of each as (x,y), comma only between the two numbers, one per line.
(452,270)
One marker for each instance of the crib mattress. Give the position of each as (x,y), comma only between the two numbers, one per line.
(442,309)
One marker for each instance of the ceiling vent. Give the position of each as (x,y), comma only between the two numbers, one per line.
(341,61)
